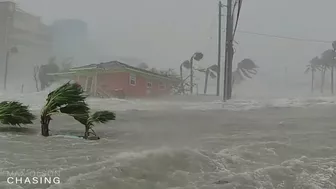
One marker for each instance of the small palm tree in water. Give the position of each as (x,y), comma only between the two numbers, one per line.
(67,99)
(98,117)
(15,113)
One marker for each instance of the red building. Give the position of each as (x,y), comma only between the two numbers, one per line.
(120,80)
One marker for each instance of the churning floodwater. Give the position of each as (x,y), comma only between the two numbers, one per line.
(196,144)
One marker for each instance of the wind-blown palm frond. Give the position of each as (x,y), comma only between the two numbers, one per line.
(212,75)
(186,64)
(15,113)
(198,56)
(245,73)
(245,69)
(69,93)
(214,68)
(247,64)
(102,117)
(79,111)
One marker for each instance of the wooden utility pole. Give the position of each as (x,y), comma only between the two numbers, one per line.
(220,6)
(230,48)
(228,53)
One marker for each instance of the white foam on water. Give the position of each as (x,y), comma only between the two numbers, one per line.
(36,101)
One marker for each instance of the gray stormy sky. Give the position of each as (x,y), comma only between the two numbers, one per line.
(166,32)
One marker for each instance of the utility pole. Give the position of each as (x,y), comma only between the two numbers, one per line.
(230,47)
(228,53)
(220,6)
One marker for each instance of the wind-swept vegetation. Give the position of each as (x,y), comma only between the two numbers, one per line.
(209,71)
(70,99)
(89,121)
(323,63)
(67,99)
(245,69)
(15,113)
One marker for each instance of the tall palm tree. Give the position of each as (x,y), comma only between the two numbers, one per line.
(196,56)
(15,113)
(245,68)
(328,62)
(312,67)
(67,99)
(186,65)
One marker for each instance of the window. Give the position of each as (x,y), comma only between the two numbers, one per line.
(132,80)
(149,85)
(162,86)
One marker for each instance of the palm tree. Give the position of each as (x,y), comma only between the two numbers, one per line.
(212,71)
(67,99)
(327,62)
(245,68)
(185,64)
(196,56)
(312,67)
(15,113)
(97,117)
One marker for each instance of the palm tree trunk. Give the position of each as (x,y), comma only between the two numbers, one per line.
(182,82)
(45,120)
(86,134)
(312,82)
(332,80)
(206,81)
(323,78)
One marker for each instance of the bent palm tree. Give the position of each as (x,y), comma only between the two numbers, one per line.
(327,62)
(245,68)
(97,117)
(312,67)
(196,56)
(68,99)
(15,113)
(212,71)
(186,64)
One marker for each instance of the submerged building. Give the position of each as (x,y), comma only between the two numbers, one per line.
(33,41)
(116,79)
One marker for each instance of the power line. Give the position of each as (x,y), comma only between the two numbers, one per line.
(284,37)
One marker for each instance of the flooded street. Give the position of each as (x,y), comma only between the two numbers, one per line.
(271,147)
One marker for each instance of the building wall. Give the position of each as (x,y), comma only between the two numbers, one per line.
(113,81)
(109,82)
